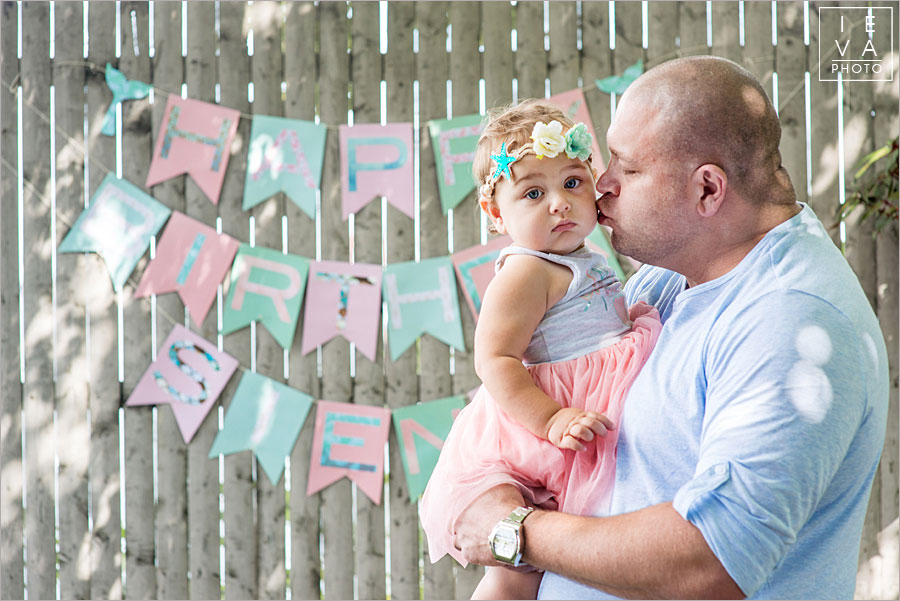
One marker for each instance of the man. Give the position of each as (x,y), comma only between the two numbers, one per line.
(750,439)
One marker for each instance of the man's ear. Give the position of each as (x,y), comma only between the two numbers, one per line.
(493,212)
(709,184)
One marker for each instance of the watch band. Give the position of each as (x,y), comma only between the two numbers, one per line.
(519,514)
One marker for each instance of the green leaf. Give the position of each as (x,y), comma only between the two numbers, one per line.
(871,158)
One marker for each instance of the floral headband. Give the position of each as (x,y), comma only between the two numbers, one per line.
(549,141)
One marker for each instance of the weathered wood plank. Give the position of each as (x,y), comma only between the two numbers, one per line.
(824,152)
(498,57)
(692,28)
(564,57)
(368,388)
(401,380)
(12,564)
(172,516)
(726,32)
(301,28)
(432,68)
(106,552)
(267,73)
(530,57)
(629,43)
(759,53)
(790,64)
(464,75)
(596,63)
(336,382)
(240,521)
(72,388)
(38,388)
(137,150)
(203,474)
(662,27)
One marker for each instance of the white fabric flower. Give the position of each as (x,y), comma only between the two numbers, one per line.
(548,139)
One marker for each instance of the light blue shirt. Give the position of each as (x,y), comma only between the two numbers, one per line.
(761,415)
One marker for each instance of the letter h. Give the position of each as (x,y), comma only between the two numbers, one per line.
(172,131)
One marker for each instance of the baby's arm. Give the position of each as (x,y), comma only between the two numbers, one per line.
(502,583)
(514,304)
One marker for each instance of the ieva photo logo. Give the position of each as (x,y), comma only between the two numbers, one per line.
(855,43)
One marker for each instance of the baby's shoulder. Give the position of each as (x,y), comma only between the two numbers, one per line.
(536,274)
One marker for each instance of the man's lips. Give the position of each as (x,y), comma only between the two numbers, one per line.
(564,226)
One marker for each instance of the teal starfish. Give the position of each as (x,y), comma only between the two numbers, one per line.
(503,162)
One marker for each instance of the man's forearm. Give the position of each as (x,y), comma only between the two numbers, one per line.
(653,553)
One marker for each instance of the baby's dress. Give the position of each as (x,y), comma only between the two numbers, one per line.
(585,353)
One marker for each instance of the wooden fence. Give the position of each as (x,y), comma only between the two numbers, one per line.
(100,502)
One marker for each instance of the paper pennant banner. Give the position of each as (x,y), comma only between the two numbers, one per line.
(265,417)
(194,138)
(421,431)
(267,286)
(599,242)
(617,84)
(454,142)
(345,299)
(573,104)
(122,88)
(285,155)
(349,441)
(377,160)
(192,259)
(118,226)
(475,269)
(189,373)
(421,297)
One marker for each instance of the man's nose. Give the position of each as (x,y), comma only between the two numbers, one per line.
(606,184)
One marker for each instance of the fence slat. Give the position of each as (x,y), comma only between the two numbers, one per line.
(72,373)
(432,68)
(692,28)
(106,552)
(596,63)
(726,30)
(497,60)
(824,197)
(301,77)
(12,582)
(629,44)
(240,521)
(564,58)
(661,16)
(530,57)
(336,382)
(368,387)
(266,74)
(402,382)
(790,64)
(171,512)
(137,150)
(759,54)
(464,75)
(203,474)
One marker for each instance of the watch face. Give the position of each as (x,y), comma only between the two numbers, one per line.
(505,543)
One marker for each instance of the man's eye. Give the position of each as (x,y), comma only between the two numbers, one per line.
(572,182)
(629,171)
(533,194)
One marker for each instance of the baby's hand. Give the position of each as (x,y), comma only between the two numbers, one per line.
(569,427)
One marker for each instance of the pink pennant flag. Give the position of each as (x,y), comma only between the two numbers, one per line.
(349,440)
(475,270)
(194,138)
(377,160)
(192,259)
(189,373)
(345,299)
(573,104)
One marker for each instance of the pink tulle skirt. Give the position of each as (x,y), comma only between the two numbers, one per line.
(486,448)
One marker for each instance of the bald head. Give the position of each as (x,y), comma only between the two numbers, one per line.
(710,110)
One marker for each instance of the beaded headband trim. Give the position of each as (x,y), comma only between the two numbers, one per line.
(548,141)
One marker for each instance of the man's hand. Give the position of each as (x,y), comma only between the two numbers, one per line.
(474,525)
(570,428)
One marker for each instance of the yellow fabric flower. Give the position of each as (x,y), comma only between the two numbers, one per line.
(548,139)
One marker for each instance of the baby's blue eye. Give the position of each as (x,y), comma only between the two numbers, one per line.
(533,194)
(572,182)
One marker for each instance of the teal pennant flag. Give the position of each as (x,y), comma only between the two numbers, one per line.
(117,225)
(285,155)
(421,431)
(617,84)
(122,89)
(267,286)
(421,297)
(454,142)
(265,417)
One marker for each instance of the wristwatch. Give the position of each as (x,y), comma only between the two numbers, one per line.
(507,539)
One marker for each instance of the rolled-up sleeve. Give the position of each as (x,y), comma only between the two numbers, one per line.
(784,398)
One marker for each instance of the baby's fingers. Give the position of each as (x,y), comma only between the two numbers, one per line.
(570,442)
